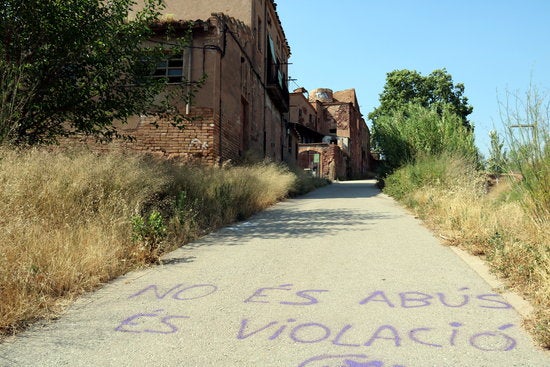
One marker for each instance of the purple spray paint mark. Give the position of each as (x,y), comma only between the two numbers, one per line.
(454,334)
(413,335)
(206,290)
(337,340)
(377,296)
(350,363)
(416,299)
(324,333)
(133,322)
(408,299)
(304,294)
(325,357)
(154,288)
(244,325)
(349,360)
(507,343)
(488,298)
(378,335)
(260,293)
(465,299)
(195,291)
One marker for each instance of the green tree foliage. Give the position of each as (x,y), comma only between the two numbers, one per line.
(75,66)
(436,90)
(414,131)
(498,160)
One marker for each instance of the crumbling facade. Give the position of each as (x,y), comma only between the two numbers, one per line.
(241,48)
(244,109)
(334,140)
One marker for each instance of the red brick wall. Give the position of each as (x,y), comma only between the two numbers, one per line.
(333,162)
(302,112)
(198,141)
(234,67)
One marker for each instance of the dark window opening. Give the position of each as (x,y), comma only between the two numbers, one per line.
(170,69)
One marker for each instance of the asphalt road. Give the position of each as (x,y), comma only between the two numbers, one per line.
(342,277)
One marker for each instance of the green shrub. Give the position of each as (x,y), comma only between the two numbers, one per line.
(149,230)
(443,171)
(415,131)
(528,137)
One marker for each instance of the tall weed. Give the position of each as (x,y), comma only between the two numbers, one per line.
(527,120)
(64,220)
(72,220)
(453,198)
(444,170)
(415,131)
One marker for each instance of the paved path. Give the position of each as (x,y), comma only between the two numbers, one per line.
(342,277)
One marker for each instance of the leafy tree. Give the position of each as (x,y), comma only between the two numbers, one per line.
(75,66)
(436,90)
(498,160)
(415,131)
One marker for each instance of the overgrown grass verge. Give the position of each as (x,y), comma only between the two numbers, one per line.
(73,220)
(305,182)
(503,224)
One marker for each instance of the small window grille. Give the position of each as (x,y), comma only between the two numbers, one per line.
(170,69)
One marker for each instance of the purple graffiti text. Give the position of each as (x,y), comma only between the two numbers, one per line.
(152,322)
(350,336)
(414,299)
(282,294)
(349,360)
(179,292)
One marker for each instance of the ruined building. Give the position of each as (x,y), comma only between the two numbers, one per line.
(242,49)
(244,107)
(333,138)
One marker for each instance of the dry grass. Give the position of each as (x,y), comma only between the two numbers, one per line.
(64,225)
(494,224)
(73,220)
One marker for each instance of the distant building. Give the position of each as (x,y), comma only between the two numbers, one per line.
(334,140)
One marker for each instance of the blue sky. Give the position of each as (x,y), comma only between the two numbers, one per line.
(491,46)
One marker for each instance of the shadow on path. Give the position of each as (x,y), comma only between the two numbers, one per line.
(294,221)
(345,190)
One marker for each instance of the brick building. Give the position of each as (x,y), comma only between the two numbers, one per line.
(334,140)
(241,47)
(244,107)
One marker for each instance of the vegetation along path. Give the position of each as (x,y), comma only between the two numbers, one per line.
(340,277)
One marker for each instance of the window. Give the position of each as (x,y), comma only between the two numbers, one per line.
(275,74)
(171,69)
